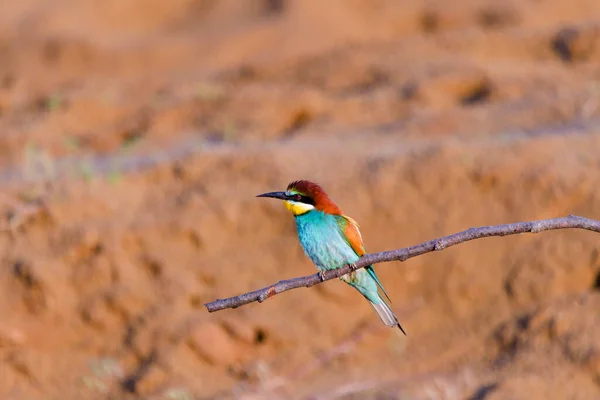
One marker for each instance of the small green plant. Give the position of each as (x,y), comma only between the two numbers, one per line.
(38,163)
(177,394)
(54,102)
(104,371)
(94,384)
(71,143)
(86,170)
(114,176)
(130,141)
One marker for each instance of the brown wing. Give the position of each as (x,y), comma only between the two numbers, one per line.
(353,236)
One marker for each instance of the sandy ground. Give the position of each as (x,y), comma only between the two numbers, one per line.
(135,135)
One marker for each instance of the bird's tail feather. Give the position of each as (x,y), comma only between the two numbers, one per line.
(386,314)
(371,272)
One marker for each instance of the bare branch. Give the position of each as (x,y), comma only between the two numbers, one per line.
(404,254)
(21,213)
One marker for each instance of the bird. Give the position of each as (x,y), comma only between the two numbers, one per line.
(331,240)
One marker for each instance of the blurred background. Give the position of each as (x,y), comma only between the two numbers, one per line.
(135,134)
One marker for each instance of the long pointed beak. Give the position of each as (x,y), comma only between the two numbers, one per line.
(275,195)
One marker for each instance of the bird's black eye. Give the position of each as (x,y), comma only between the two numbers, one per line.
(298,197)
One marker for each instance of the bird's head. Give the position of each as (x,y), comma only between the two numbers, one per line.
(304,196)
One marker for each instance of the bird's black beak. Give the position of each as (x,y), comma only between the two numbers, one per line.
(275,195)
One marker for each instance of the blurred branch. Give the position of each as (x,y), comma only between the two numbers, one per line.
(21,213)
(404,254)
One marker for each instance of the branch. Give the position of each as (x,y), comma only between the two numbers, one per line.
(404,254)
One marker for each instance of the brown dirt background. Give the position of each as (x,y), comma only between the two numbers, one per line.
(136,133)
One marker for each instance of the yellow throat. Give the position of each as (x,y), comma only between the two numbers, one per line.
(297,208)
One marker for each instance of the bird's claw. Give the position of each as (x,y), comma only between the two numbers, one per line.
(322,276)
(352,267)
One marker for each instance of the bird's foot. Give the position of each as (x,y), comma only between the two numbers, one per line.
(322,276)
(352,267)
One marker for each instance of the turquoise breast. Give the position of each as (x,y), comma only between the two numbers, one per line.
(323,241)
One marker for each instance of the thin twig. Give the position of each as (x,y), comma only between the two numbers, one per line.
(22,212)
(404,254)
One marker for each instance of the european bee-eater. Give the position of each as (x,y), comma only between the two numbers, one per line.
(331,240)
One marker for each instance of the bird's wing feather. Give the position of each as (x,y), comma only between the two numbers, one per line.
(352,235)
(371,272)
